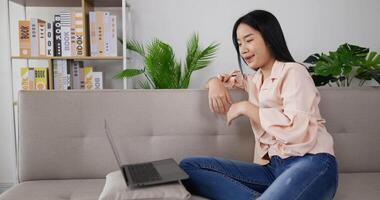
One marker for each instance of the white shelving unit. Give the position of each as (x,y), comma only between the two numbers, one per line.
(45,10)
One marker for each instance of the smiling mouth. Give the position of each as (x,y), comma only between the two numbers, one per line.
(249,59)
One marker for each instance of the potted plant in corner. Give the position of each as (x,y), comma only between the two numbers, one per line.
(343,65)
(161,68)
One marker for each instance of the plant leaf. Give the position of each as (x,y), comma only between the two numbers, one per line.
(205,57)
(160,64)
(192,50)
(376,75)
(197,58)
(144,84)
(162,70)
(136,47)
(346,62)
(127,73)
(312,59)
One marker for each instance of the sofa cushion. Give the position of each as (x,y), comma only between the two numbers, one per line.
(86,189)
(353,186)
(116,189)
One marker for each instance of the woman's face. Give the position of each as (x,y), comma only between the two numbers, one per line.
(252,47)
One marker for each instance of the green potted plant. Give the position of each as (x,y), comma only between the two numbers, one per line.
(161,68)
(343,65)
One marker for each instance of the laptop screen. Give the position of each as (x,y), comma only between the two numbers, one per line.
(111,141)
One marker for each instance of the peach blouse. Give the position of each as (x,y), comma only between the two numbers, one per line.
(291,124)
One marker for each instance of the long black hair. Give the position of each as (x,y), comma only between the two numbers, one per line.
(270,29)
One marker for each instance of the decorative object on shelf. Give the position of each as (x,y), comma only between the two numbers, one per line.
(343,65)
(161,68)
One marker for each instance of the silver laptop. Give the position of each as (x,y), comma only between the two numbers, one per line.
(148,173)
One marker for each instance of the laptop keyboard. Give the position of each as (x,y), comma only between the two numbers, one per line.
(144,172)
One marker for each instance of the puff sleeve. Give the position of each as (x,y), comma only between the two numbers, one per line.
(234,80)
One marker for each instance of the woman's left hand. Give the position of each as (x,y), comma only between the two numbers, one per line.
(236,110)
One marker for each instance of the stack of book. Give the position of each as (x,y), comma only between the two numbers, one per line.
(64,35)
(34,78)
(103,34)
(67,75)
(73,75)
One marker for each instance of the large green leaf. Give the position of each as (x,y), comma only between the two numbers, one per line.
(354,50)
(312,59)
(363,74)
(369,67)
(322,80)
(328,65)
(372,61)
(376,75)
(127,73)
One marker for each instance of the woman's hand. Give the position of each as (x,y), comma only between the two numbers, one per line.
(236,110)
(218,96)
(244,108)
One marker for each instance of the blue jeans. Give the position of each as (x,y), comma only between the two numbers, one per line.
(309,177)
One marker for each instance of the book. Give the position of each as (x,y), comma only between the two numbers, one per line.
(40,78)
(31,78)
(81,76)
(34,46)
(57,35)
(72,34)
(75,74)
(60,74)
(113,40)
(24,78)
(79,46)
(100,32)
(24,37)
(97,80)
(87,71)
(41,38)
(49,40)
(107,33)
(93,35)
(68,81)
(66,33)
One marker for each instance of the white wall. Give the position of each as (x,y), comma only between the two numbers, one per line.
(309,26)
(7,158)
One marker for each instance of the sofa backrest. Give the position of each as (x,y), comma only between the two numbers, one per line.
(61,133)
(353,118)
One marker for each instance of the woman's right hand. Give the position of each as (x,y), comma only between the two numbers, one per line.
(218,96)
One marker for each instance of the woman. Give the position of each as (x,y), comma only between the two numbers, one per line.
(294,156)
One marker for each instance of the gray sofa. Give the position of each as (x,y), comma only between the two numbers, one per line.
(63,152)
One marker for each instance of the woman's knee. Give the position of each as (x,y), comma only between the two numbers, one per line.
(196,162)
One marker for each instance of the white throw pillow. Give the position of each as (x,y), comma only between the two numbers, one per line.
(116,189)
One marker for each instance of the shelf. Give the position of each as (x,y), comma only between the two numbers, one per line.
(69,57)
(68,3)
